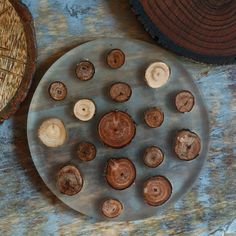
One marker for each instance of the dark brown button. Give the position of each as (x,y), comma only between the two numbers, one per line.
(57,90)
(86,151)
(69,180)
(115,58)
(112,208)
(187,145)
(157,190)
(85,70)
(154,117)
(120,92)
(116,129)
(184,101)
(153,156)
(120,173)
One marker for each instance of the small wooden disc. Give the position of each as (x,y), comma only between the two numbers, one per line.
(57,90)
(154,117)
(85,70)
(187,145)
(86,151)
(84,109)
(115,58)
(157,190)
(120,92)
(116,129)
(184,101)
(153,156)
(52,132)
(112,208)
(69,180)
(120,173)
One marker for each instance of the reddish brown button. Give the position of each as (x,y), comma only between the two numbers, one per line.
(86,151)
(187,145)
(115,58)
(112,208)
(184,101)
(153,156)
(116,129)
(120,92)
(120,173)
(69,180)
(157,190)
(57,90)
(85,70)
(154,117)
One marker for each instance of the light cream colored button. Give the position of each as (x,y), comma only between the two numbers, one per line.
(84,109)
(52,132)
(157,74)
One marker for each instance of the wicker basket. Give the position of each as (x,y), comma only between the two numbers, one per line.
(17,55)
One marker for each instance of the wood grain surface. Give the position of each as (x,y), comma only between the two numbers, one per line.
(202,30)
(17,55)
(27,207)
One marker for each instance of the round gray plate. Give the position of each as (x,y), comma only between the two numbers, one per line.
(138,56)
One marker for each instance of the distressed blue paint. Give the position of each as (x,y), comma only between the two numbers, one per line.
(24,198)
(33,6)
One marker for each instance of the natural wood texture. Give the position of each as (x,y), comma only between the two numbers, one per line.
(28,207)
(200,29)
(17,55)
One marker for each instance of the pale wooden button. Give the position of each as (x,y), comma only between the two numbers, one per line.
(52,132)
(84,109)
(157,74)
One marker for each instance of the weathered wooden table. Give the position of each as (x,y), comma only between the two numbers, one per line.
(27,207)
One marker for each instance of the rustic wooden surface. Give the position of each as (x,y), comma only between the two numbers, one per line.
(27,207)
(17,55)
(202,30)
(139,54)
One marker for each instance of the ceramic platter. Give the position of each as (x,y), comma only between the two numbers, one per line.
(139,55)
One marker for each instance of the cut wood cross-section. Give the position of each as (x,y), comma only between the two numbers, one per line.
(200,29)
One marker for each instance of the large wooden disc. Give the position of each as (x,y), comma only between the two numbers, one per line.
(97,183)
(17,55)
(204,30)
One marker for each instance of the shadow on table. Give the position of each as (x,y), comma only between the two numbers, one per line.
(127,21)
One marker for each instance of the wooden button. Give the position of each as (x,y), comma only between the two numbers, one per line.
(157,74)
(120,173)
(153,156)
(120,92)
(187,145)
(184,101)
(157,190)
(57,90)
(69,180)
(112,208)
(115,58)
(86,151)
(84,109)
(154,117)
(116,129)
(85,70)
(52,132)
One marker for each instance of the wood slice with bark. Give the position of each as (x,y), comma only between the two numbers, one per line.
(17,55)
(203,30)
